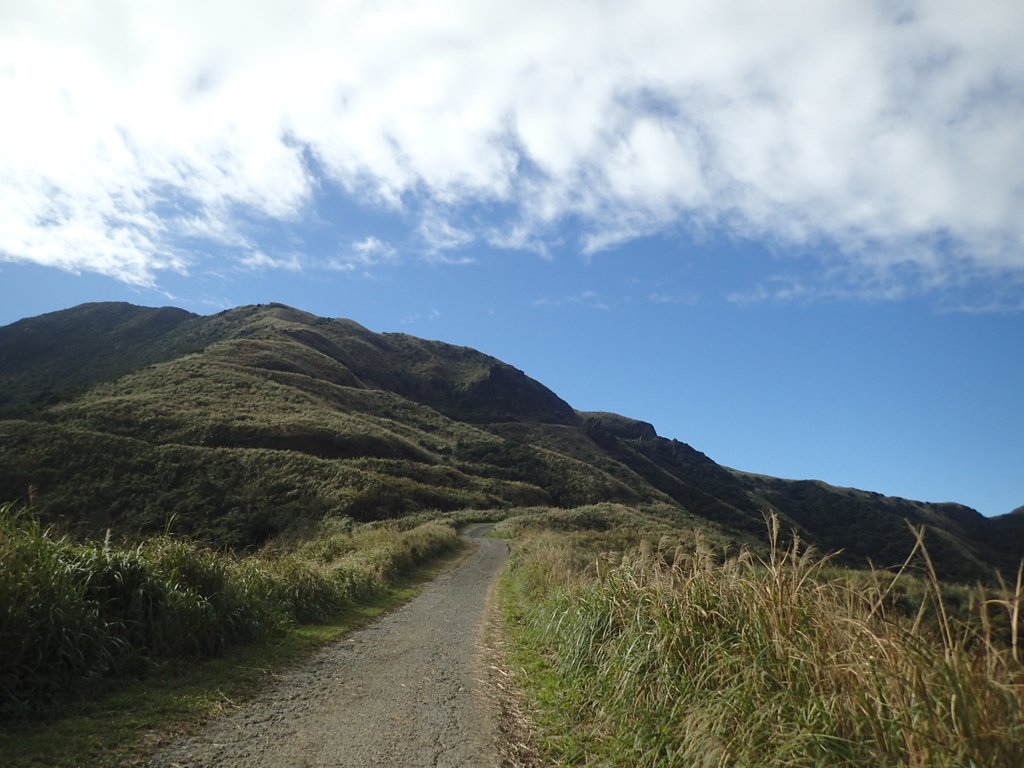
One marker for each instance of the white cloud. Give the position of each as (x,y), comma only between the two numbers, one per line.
(258,260)
(364,255)
(892,131)
(834,285)
(441,237)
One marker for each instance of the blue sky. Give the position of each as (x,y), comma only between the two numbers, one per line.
(792,237)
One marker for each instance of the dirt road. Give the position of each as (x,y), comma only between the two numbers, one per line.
(402,692)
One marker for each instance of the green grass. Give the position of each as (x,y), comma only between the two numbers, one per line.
(78,613)
(676,656)
(123,721)
(236,497)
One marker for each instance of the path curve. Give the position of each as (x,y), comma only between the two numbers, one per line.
(404,691)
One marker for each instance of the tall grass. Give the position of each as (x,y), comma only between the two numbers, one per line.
(76,612)
(677,658)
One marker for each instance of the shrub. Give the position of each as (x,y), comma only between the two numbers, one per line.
(75,612)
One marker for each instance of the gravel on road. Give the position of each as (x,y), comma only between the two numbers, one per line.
(405,691)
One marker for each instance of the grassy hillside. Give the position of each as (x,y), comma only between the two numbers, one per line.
(50,358)
(263,419)
(869,526)
(223,496)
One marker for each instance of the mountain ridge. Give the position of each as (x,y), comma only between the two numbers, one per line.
(372,425)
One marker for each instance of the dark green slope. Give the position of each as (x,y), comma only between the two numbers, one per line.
(869,526)
(360,416)
(52,357)
(91,481)
(244,424)
(1004,535)
(457,381)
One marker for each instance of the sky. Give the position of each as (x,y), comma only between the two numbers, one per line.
(790,234)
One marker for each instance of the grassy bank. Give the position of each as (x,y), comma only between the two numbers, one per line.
(75,614)
(124,721)
(676,656)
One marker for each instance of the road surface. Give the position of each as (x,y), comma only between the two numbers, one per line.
(402,692)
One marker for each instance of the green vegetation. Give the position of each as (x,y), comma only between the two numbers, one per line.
(123,721)
(227,497)
(75,613)
(47,359)
(258,422)
(243,459)
(659,654)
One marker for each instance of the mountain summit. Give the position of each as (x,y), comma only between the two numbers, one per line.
(242,425)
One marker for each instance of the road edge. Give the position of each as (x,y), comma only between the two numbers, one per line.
(515,730)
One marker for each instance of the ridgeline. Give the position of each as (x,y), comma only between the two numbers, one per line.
(261,421)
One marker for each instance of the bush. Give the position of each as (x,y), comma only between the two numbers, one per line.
(76,612)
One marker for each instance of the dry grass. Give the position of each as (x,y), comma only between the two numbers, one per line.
(674,657)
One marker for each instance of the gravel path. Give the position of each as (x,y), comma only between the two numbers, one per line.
(402,692)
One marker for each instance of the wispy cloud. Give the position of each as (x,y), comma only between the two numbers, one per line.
(1006,299)
(257,260)
(835,285)
(442,237)
(364,255)
(591,299)
(661,297)
(884,133)
(414,318)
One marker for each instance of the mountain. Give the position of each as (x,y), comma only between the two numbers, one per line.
(239,426)
(49,358)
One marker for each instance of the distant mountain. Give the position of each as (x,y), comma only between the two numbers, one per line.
(241,425)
